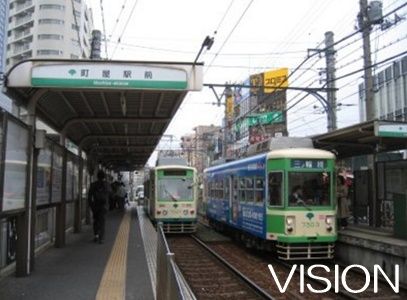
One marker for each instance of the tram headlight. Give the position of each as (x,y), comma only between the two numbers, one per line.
(329,220)
(165,212)
(290,221)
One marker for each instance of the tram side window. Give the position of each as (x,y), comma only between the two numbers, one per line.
(220,189)
(210,189)
(249,189)
(242,189)
(275,188)
(259,189)
(226,188)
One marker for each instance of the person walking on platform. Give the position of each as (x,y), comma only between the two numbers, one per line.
(98,197)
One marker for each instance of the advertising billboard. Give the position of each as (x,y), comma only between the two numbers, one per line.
(275,78)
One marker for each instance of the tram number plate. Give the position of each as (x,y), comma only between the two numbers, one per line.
(310,224)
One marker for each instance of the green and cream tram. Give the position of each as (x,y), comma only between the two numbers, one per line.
(171,197)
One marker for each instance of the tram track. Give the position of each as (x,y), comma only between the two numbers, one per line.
(209,275)
(255,266)
(235,254)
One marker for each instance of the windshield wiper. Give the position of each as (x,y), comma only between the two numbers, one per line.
(171,195)
(302,202)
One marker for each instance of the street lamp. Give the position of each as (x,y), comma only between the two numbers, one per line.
(208,42)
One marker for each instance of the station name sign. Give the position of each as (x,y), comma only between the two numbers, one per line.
(119,76)
(391,130)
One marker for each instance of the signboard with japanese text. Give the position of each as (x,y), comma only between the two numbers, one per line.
(308,164)
(275,78)
(229,107)
(256,81)
(266,118)
(110,76)
(391,130)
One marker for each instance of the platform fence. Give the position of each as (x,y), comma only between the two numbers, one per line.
(170,283)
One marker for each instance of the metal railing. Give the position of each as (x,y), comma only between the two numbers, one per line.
(22,48)
(24,5)
(21,34)
(25,19)
(170,284)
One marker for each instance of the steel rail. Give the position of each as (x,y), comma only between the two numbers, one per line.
(250,283)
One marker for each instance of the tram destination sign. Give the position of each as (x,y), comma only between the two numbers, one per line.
(109,76)
(308,164)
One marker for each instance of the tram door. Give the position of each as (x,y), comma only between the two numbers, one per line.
(233,200)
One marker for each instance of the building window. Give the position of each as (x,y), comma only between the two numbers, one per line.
(75,42)
(73,56)
(79,1)
(52,6)
(75,27)
(49,52)
(76,13)
(50,37)
(50,21)
(404,65)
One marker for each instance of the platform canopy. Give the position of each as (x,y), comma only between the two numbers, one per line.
(116,111)
(365,138)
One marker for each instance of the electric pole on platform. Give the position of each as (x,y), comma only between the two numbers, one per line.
(365,28)
(330,79)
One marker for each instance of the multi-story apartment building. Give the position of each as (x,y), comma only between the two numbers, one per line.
(5,102)
(390,93)
(200,148)
(48,29)
(3,27)
(188,146)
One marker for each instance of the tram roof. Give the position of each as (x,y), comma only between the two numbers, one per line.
(172,167)
(308,153)
(364,138)
(114,110)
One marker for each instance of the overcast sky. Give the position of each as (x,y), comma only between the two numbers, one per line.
(251,36)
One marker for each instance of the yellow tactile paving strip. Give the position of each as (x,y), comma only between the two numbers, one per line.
(113,283)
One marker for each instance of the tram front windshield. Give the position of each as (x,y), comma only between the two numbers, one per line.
(175,189)
(309,189)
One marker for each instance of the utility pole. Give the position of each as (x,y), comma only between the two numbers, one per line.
(330,79)
(365,28)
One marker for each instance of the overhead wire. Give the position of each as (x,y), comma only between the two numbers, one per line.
(124,28)
(104,27)
(118,18)
(346,75)
(230,34)
(224,16)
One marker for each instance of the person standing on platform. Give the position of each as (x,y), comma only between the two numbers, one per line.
(122,195)
(342,197)
(98,197)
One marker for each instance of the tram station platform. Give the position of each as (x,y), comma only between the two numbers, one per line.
(123,267)
(366,246)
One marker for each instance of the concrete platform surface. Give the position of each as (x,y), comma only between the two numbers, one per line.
(82,268)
